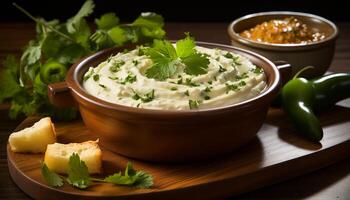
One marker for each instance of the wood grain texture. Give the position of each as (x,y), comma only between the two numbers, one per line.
(276,154)
(332,182)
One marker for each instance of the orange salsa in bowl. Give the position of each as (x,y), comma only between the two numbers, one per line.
(289,30)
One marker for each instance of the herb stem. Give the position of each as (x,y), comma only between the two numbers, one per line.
(97,180)
(40,22)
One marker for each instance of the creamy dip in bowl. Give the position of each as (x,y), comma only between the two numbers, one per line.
(121,79)
(164,127)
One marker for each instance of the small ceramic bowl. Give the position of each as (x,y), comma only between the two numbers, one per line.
(163,135)
(317,54)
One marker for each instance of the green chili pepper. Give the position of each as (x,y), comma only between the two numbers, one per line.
(52,71)
(300,97)
(330,89)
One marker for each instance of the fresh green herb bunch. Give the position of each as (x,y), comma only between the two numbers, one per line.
(56,47)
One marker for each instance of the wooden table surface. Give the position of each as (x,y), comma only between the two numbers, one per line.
(332,182)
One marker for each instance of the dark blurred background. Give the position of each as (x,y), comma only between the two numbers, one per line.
(174,10)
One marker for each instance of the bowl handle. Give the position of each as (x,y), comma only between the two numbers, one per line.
(60,95)
(285,70)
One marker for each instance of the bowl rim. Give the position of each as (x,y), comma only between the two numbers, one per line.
(76,87)
(284,47)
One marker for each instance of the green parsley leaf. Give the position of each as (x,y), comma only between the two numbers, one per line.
(78,174)
(50,177)
(196,64)
(187,93)
(164,57)
(131,177)
(185,47)
(129,79)
(74,23)
(118,35)
(194,103)
(257,70)
(9,86)
(107,21)
(144,98)
(96,77)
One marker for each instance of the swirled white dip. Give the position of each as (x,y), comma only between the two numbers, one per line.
(121,79)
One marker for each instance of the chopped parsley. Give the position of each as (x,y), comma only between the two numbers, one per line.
(102,86)
(189,82)
(234,58)
(242,83)
(221,69)
(187,93)
(116,66)
(210,82)
(194,103)
(88,75)
(243,76)
(257,70)
(206,97)
(148,97)
(96,77)
(135,62)
(179,81)
(129,79)
(113,78)
(173,88)
(231,87)
(208,89)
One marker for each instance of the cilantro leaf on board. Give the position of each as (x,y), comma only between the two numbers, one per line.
(131,177)
(50,177)
(78,174)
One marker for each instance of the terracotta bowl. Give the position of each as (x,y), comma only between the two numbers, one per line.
(168,136)
(317,54)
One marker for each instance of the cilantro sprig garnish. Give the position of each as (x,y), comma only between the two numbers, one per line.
(59,44)
(78,176)
(165,57)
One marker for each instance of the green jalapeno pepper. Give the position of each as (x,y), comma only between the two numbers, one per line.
(300,97)
(52,71)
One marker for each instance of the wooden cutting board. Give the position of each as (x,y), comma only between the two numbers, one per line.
(276,154)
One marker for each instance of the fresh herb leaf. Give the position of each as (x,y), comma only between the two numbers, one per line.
(129,79)
(9,86)
(148,97)
(164,57)
(96,77)
(107,21)
(194,103)
(173,88)
(206,97)
(88,75)
(221,69)
(131,177)
(258,70)
(50,177)
(135,62)
(187,93)
(231,87)
(189,82)
(242,83)
(196,64)
(243,76)
(74,23)
(185,47)
(208,89)
(116,66)
(102,86)
(78,174)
